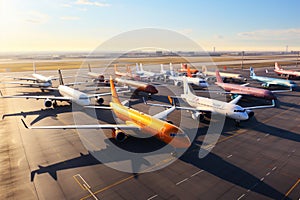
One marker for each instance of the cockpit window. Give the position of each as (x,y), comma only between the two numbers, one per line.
(83,97)
(239,110)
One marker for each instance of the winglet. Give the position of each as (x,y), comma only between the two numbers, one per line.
(24,123)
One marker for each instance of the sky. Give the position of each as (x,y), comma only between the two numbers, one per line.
(82,25)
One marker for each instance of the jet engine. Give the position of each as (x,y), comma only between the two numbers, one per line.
(119,135)
(99,100)
(198,116)
(178,83)
(48,103)
(250,113)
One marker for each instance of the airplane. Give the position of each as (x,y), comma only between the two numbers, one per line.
(200,106)
(268,81)
(147,74)
(127,74)
(136,123)
(97,77)
(138,86)
(68,94)
(184,69)
(243,90)
(192,80)
(286,73)
(38,80)
(225,75)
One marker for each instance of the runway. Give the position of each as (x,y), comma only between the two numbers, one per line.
(259,160)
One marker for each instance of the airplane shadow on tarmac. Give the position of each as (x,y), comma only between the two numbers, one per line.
(212,164)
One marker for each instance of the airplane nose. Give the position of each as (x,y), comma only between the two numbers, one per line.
(151,89)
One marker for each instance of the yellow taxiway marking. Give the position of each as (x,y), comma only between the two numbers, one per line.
(291,189)
(126,179)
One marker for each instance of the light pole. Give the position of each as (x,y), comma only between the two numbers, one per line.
(243,52)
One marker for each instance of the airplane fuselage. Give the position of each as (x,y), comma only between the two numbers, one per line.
(76,96)
(289,73)
(140,86)
(274,81)
(239,89)
(223,108)
(162,130)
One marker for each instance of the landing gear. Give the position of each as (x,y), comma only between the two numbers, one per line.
(54,104)
(237,123)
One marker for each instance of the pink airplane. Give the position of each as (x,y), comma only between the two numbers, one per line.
(243,90)
(284,72)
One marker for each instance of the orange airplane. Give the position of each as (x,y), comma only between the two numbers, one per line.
(135,121)
(184,69)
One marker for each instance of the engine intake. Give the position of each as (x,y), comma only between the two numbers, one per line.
(99,100)
(119,135)
(48,103)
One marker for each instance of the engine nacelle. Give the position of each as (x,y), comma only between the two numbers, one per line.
(266,85)
(178,83)
(119,135)
(250,113)
(48,103)
(197,116)
(99,100)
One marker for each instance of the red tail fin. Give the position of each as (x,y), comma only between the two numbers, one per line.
(218,76)
(189,74)
(277,66)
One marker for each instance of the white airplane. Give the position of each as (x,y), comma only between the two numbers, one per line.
(192,80)
(200,106)
(167,73)
(147,74)
(224,75)
(68,94)
(38,80)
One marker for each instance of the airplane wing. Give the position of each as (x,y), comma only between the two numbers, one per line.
(106,94)
(96,126)
(234,101)
(164,114)
(24,78)
(39,97)
(23,83)
(259,107)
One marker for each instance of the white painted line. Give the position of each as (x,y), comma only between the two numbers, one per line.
(268,174)
(89,190)
(274,168)
(241,196)
(85,183)
(294,151)
(182,181)
(267,135)
(258,139)
(229,156)
(152,197)
(262,179)
(197,173)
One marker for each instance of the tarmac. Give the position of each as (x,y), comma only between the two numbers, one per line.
(258,160)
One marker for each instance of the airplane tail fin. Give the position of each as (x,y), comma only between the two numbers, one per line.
(34,67)
(252,73)
(141,67)
(137,67)
(218,76)
(189,74)
(186,87)
(114,95)
(115,67)
(204,69)
(61,81)
(129,70)
(277,66)
(162,68)
(89,67)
